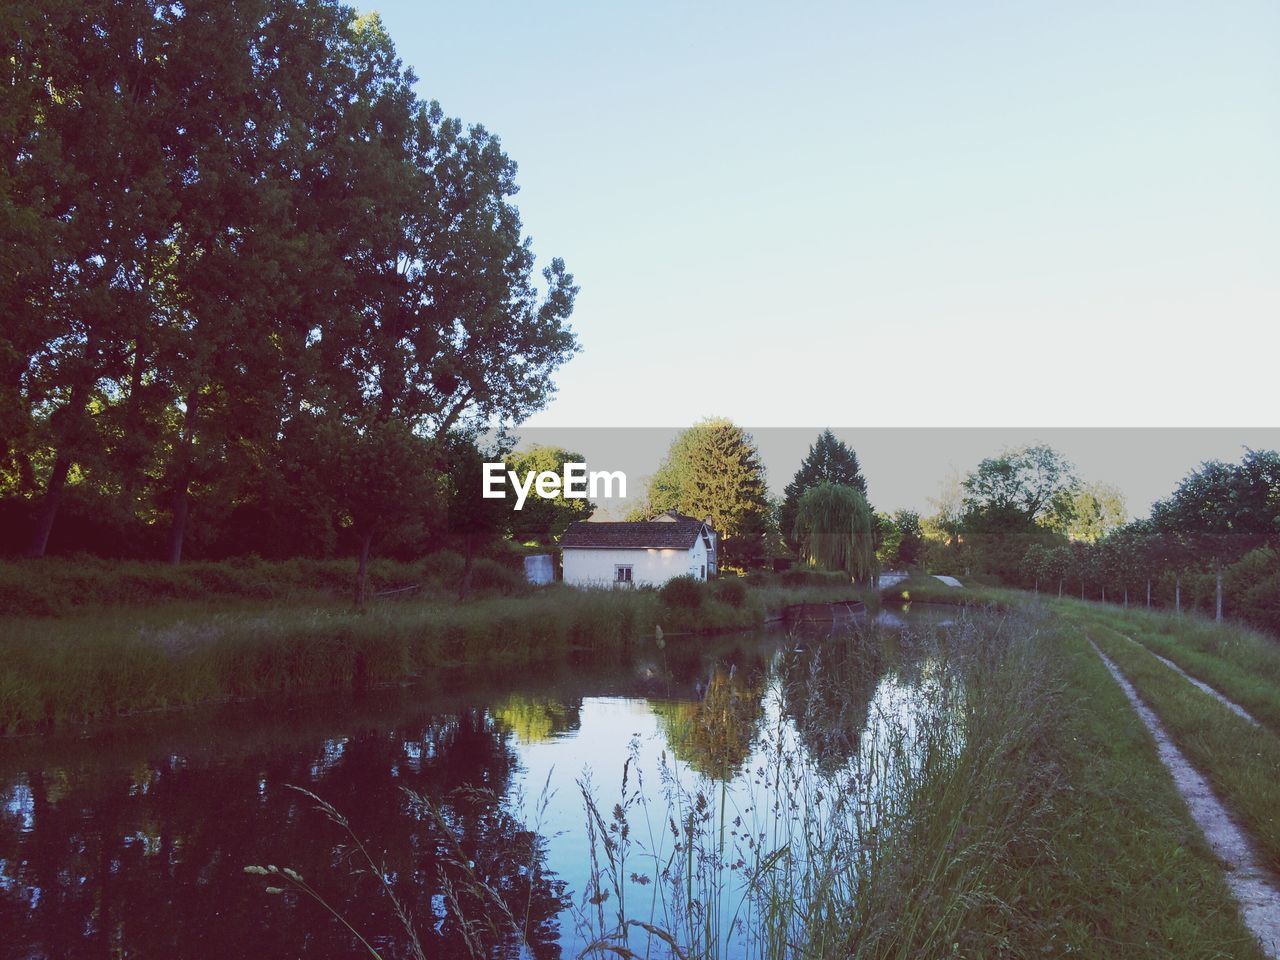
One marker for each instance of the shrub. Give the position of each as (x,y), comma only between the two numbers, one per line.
(814,578)
(731,591)
(490,575)
(683,593)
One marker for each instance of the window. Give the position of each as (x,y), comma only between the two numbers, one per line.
(622,574)
(704,571)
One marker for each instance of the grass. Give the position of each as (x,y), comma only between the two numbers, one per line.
(55,587)
(1241,663)
(920,588)
(92,658)
(1130,875)
(1238,759)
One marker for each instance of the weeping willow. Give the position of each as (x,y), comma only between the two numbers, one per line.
(835,529)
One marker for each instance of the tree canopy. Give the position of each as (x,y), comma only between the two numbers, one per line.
(1035,481)
(829,460)
(228,228)
(713,470)
(835,528)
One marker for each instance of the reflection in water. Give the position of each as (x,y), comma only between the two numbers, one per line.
(714,735)
(536,719)
(136,845)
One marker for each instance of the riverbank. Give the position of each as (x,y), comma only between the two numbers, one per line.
(126,652)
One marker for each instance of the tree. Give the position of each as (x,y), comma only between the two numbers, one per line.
(1034,563)
(1091,513)
(226,224)
(835,528)
(378,477)
(541,519)
(1222,511)
(1035,481)
(473,518)
(713,470)
(829,460)
(901,539)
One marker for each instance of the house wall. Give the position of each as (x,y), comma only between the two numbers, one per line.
(595,567)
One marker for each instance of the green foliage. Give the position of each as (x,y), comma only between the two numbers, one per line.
(731,590)
(829,460)
(713,470)
(683,593)
(543,520)
(901,539)
(195,302)
(1035,481)
(1093,512)
(835,529)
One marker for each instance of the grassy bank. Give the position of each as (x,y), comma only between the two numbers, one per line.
(56,587)
(1055,831)
(1241,663)
(94,660)
(1240,760)
(920,588)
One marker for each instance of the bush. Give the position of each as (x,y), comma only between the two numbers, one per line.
(683,593)
(490,575)
(814,578)
(731,591)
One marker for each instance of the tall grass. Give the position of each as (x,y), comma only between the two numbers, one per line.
(75,670)
(898,852)
(87,666)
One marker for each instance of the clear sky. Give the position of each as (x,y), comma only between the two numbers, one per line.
(918,213)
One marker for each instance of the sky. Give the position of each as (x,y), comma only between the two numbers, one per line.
(860,215)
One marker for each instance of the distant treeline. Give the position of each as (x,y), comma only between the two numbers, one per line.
(257,294)
(1024,519)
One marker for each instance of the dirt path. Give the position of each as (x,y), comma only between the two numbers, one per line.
(1254,887)
(1200,684)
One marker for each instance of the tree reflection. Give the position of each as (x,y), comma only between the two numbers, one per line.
(714,735)
(148,861)
(827,691)
(536,719)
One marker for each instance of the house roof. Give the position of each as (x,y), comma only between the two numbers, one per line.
(643,535)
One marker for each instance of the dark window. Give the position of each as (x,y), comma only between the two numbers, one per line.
(622,574)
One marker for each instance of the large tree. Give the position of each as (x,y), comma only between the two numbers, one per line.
(1035,481)
(228,225)
(835,528)
(1221,511)
(829,460)
(713,470)
(543,519)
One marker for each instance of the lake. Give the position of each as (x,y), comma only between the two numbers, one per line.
(703,759)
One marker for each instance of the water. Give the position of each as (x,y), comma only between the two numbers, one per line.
(132,842)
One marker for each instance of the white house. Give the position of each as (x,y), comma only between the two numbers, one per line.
(644,553)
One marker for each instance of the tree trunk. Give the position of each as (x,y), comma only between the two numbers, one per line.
(1104,593)
(58,477)
(1177,592)
(1148,593)
(468,566)
(49,507)
(1037,586)
(1126,598)
(1059,589)
(1217,590)
(362,570)
(182,484)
